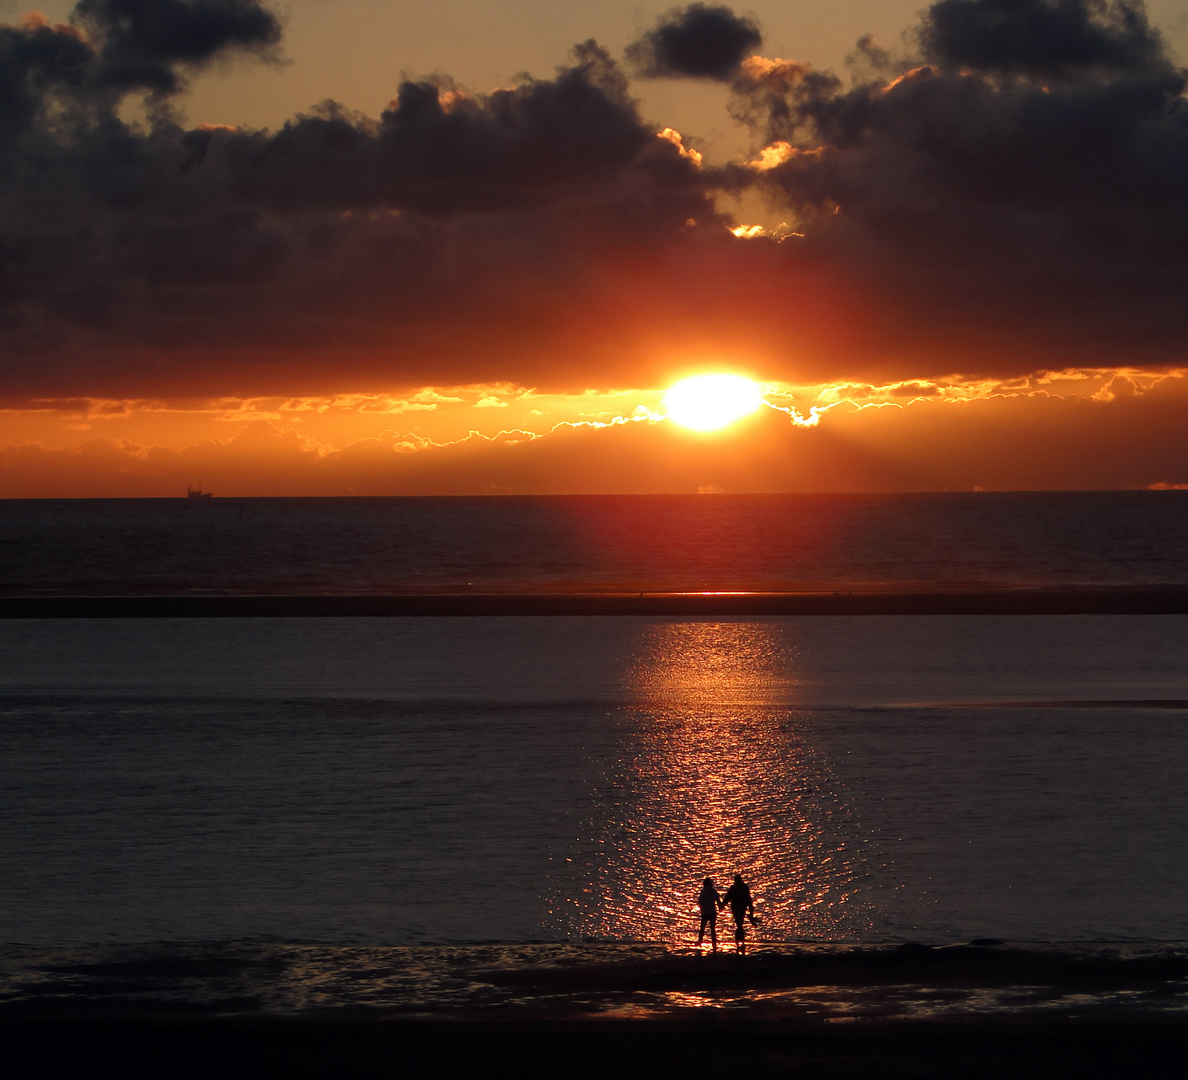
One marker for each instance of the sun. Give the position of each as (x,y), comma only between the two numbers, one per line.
(709,402)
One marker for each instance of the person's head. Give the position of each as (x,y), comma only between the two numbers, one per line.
(708,883)
(738,879)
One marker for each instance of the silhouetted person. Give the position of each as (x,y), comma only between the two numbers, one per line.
(710,903)
(738,896)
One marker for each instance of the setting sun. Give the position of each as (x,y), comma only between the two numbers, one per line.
(709,402)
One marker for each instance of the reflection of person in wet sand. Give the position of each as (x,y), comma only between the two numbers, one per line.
(710,904)
(738,896)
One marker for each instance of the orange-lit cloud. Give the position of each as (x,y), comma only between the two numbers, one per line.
(1059,430)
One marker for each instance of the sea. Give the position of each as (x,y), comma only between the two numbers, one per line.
(407,814)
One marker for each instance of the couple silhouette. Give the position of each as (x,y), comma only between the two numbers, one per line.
(742,907)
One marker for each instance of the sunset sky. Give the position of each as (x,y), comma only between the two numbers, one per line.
(344,247)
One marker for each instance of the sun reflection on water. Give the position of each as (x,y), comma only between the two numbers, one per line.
(718,775)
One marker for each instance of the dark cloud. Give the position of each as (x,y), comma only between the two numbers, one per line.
(1044,37)
(143,42)
(1002,219)
(699,41)
(946,214)
(37,61)
(60,77)
(441,151)
(454,235)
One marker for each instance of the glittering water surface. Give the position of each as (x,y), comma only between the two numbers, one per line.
(719,777)
(831,983)
(399,781)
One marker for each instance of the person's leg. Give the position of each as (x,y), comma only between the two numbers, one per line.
(714,933)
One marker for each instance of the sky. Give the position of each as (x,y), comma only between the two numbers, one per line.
(363,247)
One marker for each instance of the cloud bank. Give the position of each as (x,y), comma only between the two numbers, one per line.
(1066,431)
(1009,195)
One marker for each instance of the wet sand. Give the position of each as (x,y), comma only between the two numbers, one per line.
(697,1045)
(1115,1013)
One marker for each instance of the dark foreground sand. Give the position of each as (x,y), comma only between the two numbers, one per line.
(696,1046)
(1098,1013)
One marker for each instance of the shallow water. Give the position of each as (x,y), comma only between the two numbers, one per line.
(587,981)
(386,782)
(512,816)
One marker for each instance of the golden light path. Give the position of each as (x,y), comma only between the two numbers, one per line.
(718,775)
(709,402)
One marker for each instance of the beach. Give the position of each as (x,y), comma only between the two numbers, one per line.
(203,1047)
(1096,1014)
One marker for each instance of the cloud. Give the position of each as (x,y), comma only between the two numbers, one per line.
(62,78)
(890,438)
(947,211)
(1006,219)
(142,43)
(1053,38)
(699,41)
(458,229)
(442,152)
